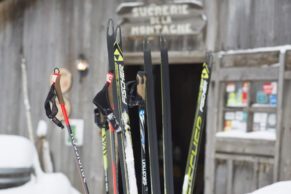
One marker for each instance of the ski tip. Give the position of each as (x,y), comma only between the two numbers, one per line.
(209,59)
(163,42)
(146,44)
(110,27)
(118,37)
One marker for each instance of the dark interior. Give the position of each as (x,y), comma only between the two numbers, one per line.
(185,79)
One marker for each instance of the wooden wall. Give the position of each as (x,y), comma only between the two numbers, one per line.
(246,24)
(54,33)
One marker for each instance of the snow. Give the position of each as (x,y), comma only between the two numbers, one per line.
(256,50)
(265,135)
(19,152)
(276,188)
(41,129)
(55,183)
(16,152)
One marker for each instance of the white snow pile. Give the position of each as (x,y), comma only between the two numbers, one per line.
(276,188)
(18,152)
(263,135)
(55,183)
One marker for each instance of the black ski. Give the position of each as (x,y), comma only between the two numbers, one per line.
(140,89)
(166,117)
(199,123)
(136,94)
(151,122)
(124,114)
(113,100)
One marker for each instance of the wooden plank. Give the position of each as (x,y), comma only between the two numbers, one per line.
(211,129)
(55,33)
(246,158)
(229,189)
(210,135)
(244,74)
(245,146)
(287,75)
(280,108)
(175,57)
(252,109)
(256,175)
(220,184)
(288,60)
(265,174)
(284,170)
(212,25)
(255,59)
(243,177)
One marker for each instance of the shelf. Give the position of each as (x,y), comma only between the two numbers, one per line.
(253,143)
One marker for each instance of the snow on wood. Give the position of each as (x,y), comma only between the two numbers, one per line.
(276,188)
(265,135)
(18,152)
(256,50)
(55,183)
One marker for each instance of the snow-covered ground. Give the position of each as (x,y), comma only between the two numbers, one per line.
(19,153)
(55,183)
(276,188)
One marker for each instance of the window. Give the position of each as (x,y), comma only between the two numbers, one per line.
(250,106)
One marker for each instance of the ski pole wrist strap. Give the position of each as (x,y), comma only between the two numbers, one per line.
(99,118)
(102,99)
(141,84)
(50,105)
(136,90)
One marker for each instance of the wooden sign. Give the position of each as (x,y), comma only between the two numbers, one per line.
(167,19)
(172,20)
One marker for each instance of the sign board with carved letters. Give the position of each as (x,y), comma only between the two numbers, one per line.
(182,23)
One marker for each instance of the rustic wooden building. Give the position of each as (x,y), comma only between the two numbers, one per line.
(236,29)
(54,32)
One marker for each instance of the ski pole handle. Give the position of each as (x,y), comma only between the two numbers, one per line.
(141,84)
(56,79)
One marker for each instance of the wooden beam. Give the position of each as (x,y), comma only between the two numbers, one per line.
(244,74)
(175,57)
(279,116)
(258,147)
(287,75)
(251,59)
(229,176)
(245,158)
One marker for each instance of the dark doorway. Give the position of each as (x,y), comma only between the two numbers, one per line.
(184,83)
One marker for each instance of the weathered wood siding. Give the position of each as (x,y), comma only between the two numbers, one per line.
(54,33)
(248,24)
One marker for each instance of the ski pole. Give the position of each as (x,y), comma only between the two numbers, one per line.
(102,124)
(58,92)
(101,100)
